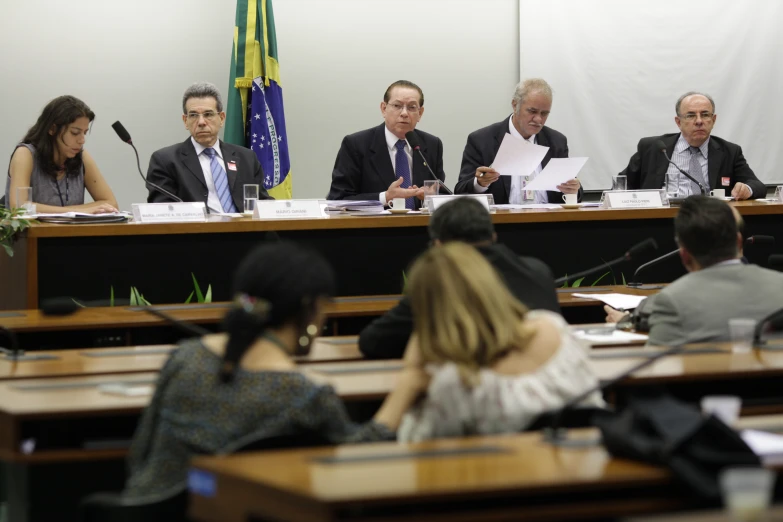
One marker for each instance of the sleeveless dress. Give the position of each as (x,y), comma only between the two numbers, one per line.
(46,190)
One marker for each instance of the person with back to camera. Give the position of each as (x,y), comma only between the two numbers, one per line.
(244,384)
(494,367)
(52,161)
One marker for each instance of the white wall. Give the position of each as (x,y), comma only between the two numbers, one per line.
(132,62)
(618,67)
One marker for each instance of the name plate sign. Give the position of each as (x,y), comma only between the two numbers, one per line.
(633,199)
(287,209)
(432,203)
(187,212)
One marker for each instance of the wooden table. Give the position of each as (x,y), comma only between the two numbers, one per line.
(498,478)
(141,359)
(123,325)
(85,261)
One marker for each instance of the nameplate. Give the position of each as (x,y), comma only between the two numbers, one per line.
(287,209)
(433,203)
(189,212)
(633,199)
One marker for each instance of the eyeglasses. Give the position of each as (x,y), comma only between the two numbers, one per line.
(208,115)
(398,107)
(692,116)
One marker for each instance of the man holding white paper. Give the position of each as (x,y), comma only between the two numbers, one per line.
(531,104)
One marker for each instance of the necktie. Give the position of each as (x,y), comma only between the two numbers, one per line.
(695,169)
(221,181)
(403,170)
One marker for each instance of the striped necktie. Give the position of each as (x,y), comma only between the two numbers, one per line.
(221,181)
(403,170)
(696,170)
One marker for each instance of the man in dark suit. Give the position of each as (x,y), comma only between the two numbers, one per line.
(531,103)
(714,162)
(463,219)
(378,163)
(203,168)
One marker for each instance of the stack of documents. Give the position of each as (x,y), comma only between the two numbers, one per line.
(517,157)
(367,206)
(81,217)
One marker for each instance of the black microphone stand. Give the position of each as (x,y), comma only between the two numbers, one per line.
(635,284)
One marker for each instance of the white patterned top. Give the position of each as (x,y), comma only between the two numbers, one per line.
(502,403)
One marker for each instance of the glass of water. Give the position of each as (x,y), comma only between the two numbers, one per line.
(24,199)
(251,196)
(779,193)
(620,182)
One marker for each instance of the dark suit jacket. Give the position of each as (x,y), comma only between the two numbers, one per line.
(647,168)
(177,169)
(483,146)
(363,168)
(528,279)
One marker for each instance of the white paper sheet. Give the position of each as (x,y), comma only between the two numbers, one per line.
(614,337)
(557,172)
(768,446)
(616,301)
(518,157)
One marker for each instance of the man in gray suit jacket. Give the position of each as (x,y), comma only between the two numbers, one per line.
(697,307)
(203,168)
(531,104)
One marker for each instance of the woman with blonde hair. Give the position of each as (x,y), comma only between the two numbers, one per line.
(494,366)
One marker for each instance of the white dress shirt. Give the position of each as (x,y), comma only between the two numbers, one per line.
(518,195)
(391,143)
(213,201)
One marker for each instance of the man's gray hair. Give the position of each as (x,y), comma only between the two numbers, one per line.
(527,87)
(202,90)
(692,93)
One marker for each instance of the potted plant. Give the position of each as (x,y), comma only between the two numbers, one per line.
(12,223)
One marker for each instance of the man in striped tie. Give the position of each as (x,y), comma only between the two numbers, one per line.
(203,168)
(713,162)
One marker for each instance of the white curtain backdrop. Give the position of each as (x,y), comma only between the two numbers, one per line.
(617,68)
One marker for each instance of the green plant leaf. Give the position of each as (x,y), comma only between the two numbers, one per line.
(624,283)
(208,297)
(190,298)
(133,301)
(111,295)
(596,281)
(78,303)
(199,295)
(578,282)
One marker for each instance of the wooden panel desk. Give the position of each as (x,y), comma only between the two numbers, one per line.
(52,260)
(141,359)
(498,478)
(105,326)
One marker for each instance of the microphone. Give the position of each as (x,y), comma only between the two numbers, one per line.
(59,306)
(760,240)
(636,251)
(413,141)
(662,147)
(553,434)
(125,136)
(635,284)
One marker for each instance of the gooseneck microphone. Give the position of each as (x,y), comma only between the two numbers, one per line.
(660,145)
(633,253)
(413,141)
(125,136)
(554,434)
(634,283)
(760,240)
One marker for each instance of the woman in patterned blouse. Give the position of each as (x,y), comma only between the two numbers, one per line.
(243,385)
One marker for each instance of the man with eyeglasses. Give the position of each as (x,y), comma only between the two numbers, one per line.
(531,104)
(203,168)
(379,163)
(714,162)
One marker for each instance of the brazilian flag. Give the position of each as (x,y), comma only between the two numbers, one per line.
(255,116)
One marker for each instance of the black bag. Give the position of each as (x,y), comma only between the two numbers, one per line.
(659,429)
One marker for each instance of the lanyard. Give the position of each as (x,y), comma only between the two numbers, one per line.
(59,192)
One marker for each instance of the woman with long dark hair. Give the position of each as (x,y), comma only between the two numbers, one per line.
(244,385)
(51,159)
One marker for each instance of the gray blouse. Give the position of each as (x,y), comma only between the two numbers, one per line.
(48,191)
